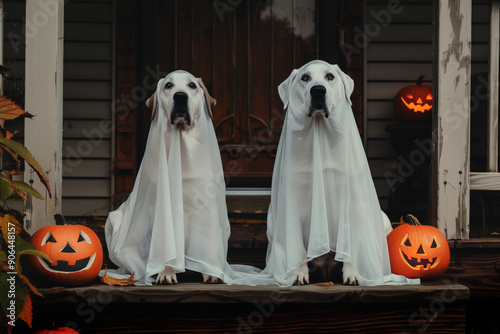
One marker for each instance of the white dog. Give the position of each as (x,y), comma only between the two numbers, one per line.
(324,206)
(176,217)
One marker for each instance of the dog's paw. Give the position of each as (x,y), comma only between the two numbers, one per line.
(302,275)
(207,279)
(349,274)
(167,276)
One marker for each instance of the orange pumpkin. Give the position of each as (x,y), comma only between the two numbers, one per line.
(414,103)
(418,251)
(60,330)
(75,251)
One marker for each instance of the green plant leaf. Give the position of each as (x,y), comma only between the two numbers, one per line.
(6,188)
(32,191)
(13,293)
(26,155)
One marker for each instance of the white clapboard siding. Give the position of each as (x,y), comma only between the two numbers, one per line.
(398,51)
(88,89)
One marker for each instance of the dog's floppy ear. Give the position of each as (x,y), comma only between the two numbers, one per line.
(152,104)
(285,88)
(209,100)
(346,81)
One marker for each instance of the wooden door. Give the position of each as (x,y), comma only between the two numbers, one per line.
(243,50)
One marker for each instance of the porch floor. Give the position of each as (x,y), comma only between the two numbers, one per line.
(437,307)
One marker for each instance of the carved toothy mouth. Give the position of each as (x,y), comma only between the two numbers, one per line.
(417,263)
(417,107)
(65,267)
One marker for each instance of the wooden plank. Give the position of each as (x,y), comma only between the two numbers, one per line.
(44,97)
(451,123)
(268,316)
(494,63)
(77,148)
(83,12)
(222,293)
(79,167)
(81,70)
(87,109)
(390,51)
(92,130)
(85,207)
(87,51)
(87,90)
(399,71)
(83,32)
(484,181)
(86,188)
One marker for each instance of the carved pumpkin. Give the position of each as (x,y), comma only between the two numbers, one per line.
(418,251)
(414,103)
(60,330)
(75,251)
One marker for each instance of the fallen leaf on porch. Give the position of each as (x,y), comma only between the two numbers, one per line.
(116,281)
(325,284)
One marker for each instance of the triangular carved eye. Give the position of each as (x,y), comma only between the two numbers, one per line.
(407,243)
(84,237)
(48,238)
(434,244)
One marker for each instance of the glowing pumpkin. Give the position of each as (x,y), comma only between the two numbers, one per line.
(60,330)
(414,103)
(75,251)
(418,251)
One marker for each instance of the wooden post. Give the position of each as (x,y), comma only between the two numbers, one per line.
(451,120)
(44,98)
(493,86)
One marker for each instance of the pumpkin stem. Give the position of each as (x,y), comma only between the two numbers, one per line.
(59,219)
(419,80)
(412,220)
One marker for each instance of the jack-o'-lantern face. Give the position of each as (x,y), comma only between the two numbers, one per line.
(417,103)
(420,256)
(418,251)
(75,251)
(414,103)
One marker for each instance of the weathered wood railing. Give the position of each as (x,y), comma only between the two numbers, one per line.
(451,176)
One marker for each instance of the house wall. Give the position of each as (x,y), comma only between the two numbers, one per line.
(88,92)
(88,95)
(399,50)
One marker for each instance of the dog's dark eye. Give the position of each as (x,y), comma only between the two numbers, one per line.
(305,78)
(330,77)
(169,85)
(192,85)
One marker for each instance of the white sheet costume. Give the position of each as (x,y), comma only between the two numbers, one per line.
(323,197)
(176,214)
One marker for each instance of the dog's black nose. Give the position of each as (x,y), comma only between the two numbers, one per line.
(180,97)
(318,91)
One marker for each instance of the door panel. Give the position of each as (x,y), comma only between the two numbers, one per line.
(243,50)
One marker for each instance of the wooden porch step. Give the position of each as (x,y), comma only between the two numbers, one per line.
(199,308)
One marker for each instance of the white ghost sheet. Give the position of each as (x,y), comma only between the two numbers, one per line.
(323,198)
(176,214)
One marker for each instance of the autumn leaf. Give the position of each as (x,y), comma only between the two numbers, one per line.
(325,284)
(10,110)
(26,314)
(26,155)
(7,222)
(116,281)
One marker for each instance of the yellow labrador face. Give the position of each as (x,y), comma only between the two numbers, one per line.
(315,86)
(181,98)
